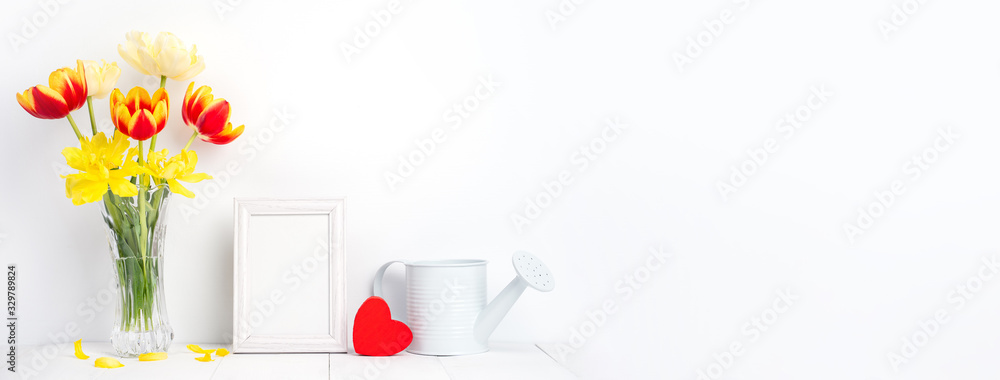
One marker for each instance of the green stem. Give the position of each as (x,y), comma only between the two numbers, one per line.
(138,274)
(143,231)
(152,142)
(90,107)
(75,129)
(191,140)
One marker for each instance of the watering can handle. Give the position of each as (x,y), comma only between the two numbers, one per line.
(377,285)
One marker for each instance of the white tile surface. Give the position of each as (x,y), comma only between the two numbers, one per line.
(503,361)
(55,362)
(400,366)
(506,361)
(180,364)
(274,366)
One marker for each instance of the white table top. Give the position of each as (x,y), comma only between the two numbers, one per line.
(503,361)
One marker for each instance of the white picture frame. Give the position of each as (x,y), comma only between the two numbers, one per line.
(289,255)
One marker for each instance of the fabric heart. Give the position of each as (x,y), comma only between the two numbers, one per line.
(376,333)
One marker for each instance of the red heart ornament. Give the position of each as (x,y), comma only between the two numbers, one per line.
(376,333)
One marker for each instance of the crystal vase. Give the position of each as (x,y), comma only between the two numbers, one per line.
(135,234)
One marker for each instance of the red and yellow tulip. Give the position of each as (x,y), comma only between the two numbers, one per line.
(67,92)
(208,116)
(137,115)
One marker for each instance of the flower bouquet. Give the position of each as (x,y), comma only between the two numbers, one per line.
(134,183)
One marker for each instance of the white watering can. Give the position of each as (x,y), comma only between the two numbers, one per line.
(446,301)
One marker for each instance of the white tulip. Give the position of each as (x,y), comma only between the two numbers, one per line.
(101,77)
(165,56)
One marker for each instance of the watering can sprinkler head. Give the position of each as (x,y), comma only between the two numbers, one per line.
(530,272)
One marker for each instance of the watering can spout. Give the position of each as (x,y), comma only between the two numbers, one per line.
(530,272)
(491,316)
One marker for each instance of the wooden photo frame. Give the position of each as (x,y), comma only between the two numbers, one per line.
(289,276)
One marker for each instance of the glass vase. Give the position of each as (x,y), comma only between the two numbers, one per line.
(136,232)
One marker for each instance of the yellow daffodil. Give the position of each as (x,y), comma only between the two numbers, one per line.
(107,363)
(176,168)
(164,56)
(152,356)
(101,77)
(206,358)
(102,164)
(78,350)
(221,352)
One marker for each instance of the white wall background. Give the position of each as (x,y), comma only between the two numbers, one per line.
(655,185)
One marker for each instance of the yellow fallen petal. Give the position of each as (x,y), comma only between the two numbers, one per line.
(107,363)
(152,356)
(195,348)
(206,358)
(222,352)
(78,350)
